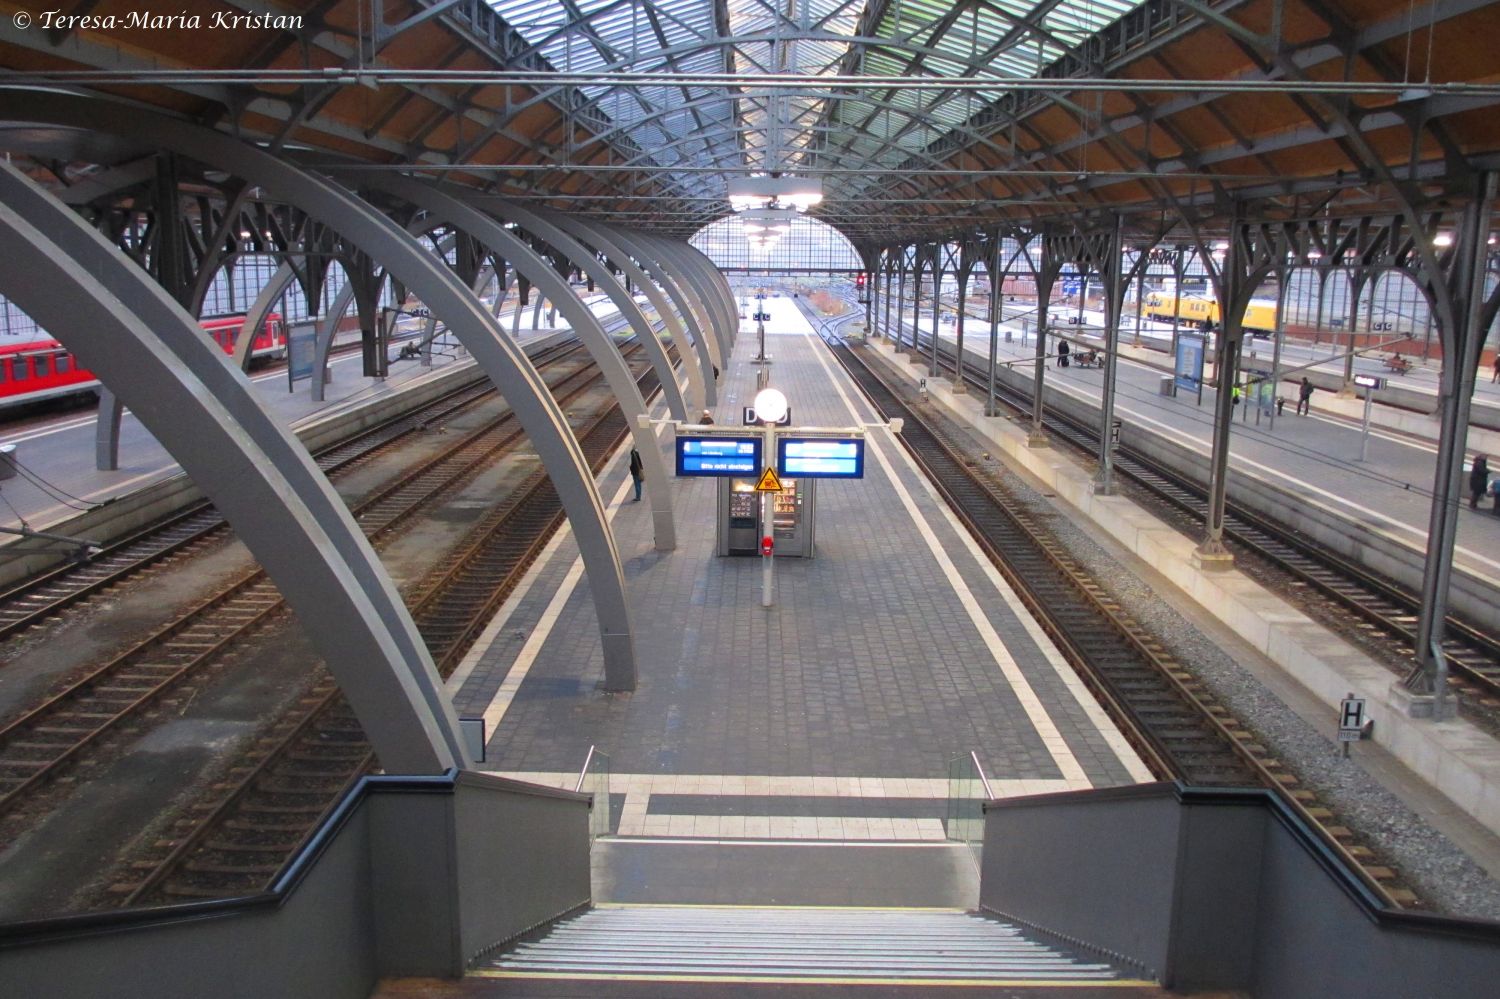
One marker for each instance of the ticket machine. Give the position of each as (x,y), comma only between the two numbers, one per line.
(739,521)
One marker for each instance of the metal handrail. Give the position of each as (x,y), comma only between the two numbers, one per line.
(989,792)
(584,773)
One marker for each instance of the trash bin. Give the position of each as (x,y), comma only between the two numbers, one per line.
(1168,385)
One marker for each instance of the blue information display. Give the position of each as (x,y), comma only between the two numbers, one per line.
(301,351)
(1189,360)
(719,456)
(820,457)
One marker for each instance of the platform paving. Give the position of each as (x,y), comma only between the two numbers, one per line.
(831,715)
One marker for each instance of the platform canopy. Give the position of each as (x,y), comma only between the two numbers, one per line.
(919,118)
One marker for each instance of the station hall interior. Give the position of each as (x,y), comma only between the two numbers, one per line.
(750,497)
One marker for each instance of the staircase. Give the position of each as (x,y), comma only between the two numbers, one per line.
(793,944)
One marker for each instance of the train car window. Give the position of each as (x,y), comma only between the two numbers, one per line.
(43,365)
(4,370)
(64,363)
(22,368)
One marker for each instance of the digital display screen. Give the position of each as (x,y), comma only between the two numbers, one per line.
(718,456)
(820,458)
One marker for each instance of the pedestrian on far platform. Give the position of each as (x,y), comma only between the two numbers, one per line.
(637,472)
(1304,397)
(1479,480)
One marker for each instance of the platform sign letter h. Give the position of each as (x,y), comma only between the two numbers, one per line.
(1351,720)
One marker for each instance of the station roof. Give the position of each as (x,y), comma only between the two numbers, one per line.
(921,118)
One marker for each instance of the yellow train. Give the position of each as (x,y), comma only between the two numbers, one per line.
(1260,315)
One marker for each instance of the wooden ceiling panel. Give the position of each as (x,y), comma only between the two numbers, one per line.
(1199,129)
(414,116)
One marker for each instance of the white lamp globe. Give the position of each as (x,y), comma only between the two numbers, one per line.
(770,405)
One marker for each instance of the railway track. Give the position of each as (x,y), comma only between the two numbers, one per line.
(38,745)
(274,799)
(42,597)
(1473,654)
(1170,718)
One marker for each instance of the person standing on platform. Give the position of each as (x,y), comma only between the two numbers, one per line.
(1479,480)
(707,417)
(637,472)
(1496,376)
(1062,353)
(1304,397)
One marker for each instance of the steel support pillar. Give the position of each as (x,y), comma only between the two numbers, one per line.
(997,286)
(959,388)
(107,430)
(937,310)
(901,307)
(1461,350)
(1358,278)
(1211,553)
(1046,277)
(1114,304)
(179,385)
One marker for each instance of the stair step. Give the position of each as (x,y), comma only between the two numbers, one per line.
(812,944)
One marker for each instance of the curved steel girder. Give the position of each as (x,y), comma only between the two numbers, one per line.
(155,357)
(723,315)
(726,293)
(584,259)
(434,284)
(720,315)
(449,210)
(255,317)
(682,294)
(669,253)
(603,239)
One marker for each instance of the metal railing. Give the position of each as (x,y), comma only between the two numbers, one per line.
(593,780)
(968,790)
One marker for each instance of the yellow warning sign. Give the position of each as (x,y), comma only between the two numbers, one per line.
(768,483)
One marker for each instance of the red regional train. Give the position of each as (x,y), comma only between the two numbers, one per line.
(44,369)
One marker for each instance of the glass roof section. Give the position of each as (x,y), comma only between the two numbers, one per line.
(748,128)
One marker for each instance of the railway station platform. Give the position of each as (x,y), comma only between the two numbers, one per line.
(759,736)
(1450,769)
(61,490)
(1317,458)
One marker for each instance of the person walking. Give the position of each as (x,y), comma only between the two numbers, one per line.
(1496,376)
(1062,353)
(1304,397)
(1479,480)
(637,472)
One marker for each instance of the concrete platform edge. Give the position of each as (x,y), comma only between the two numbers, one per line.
(1459,761)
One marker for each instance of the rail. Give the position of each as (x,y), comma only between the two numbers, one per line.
(593,780)
(1166,713)
(1474,653)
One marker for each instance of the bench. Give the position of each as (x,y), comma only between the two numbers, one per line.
(1399,365)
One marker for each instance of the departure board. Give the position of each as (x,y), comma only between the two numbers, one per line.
(820,457)
(718,456)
